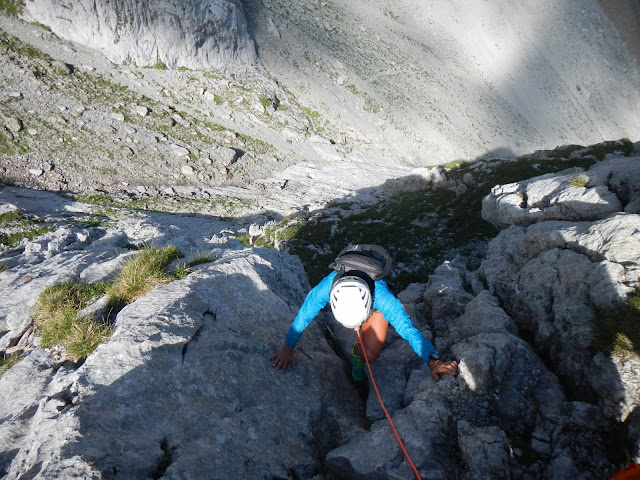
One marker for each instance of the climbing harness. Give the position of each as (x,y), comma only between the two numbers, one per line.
(375,387)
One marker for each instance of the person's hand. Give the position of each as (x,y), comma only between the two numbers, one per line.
(283,357)
(439,368)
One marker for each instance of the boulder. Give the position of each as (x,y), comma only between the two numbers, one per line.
(606,188)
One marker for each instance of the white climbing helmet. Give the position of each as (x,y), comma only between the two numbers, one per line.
(351,301)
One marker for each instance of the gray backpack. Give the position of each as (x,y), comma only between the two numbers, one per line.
(373,260)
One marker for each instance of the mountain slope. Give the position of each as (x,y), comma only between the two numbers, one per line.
(448,80)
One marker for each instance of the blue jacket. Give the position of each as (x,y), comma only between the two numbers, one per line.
(383,300)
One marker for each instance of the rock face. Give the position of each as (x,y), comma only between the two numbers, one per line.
(184,385)
(609,187)
(193,34)
(552,275)
(507,415)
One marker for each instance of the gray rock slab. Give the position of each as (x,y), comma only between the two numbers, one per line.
(606,188)
(186,372)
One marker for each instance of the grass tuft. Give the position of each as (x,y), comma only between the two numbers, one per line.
(12,216)
(56,315)
(617,331)
(265,101)
(202,258)
(579,181)
(58,306)
(185,269)
(160,65)
(42,26)
(85,336)
(8,361)
(11,7)
(12,239)
(142,274)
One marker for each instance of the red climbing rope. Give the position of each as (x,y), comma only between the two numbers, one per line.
(395,432)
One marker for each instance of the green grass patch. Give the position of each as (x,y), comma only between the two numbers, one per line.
(453,165)
(8,361)
(617,331)
(12,239)
(352,88)
(579,181)
(216,127)
(257,146)
(42,26)
(12,8)
(160,65)
(14,44)
(315,119)
(12,216)
(86,335)
(201,259)
(146,271)
(265,101)
(623,145)
(214,75)
(185,269)
(19,228)
(13,147)
(56,314)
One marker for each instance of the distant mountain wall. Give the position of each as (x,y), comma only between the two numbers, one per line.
(191,33)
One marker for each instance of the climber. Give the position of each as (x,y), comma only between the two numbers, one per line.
(361,299)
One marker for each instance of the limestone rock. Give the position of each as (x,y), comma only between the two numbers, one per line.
(179,151)
(609,187)
(272,30)
(62,67)
(147,386)
(552,276)
(485,451)
(224,156)
(142,110)
(195,34)
(14,125)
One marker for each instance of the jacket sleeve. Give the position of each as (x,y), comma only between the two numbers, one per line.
(316,299)
(395,314)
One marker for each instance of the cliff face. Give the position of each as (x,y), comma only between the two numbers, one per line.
(197,34)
